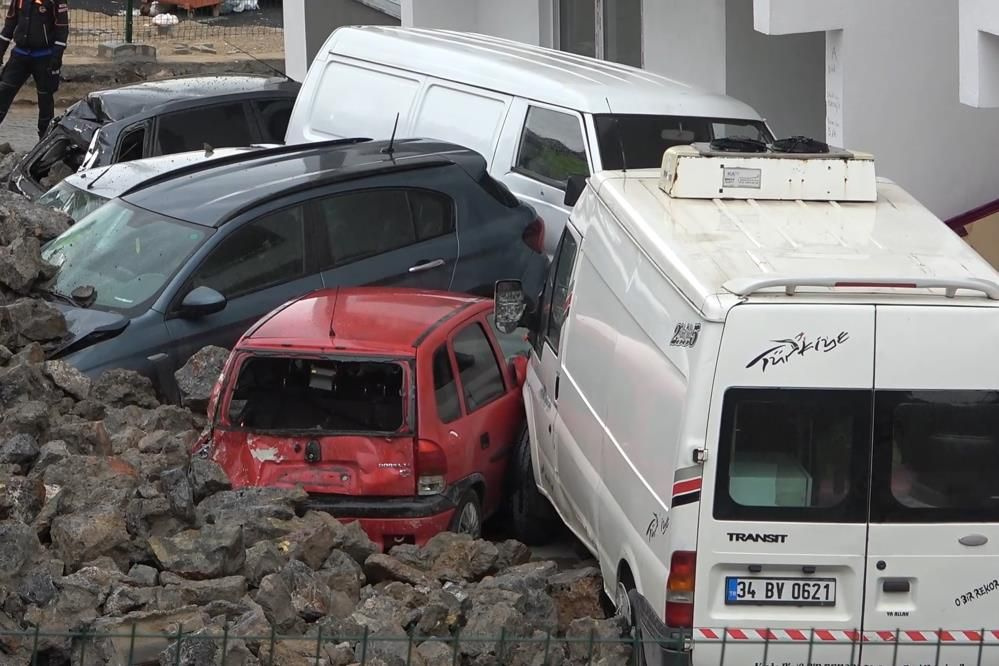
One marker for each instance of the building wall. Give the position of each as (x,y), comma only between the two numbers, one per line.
(983,235)
(685,40)
(308,24)
(781,76)
(901,102)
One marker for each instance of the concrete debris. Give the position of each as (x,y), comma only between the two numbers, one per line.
(107,524)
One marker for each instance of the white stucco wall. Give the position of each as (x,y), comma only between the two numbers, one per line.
(520,20)
(685,40)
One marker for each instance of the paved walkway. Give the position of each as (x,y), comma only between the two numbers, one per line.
(20,128)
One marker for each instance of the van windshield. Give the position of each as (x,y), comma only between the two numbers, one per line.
(310,395)
(646,137)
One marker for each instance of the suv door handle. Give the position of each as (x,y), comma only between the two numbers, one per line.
(484,440)
(895,585)
(426,266)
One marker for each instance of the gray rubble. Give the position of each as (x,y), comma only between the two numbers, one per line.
(108,525)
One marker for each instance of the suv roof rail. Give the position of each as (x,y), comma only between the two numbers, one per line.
(747,286)
(235,158)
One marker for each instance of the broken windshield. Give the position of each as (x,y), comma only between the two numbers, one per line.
(644,138)
(72,200)
(126,254)
(274,394)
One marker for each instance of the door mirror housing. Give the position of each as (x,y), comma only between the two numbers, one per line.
(510,305)
(201,302)
(574,189)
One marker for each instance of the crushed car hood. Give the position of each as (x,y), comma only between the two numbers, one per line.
(87,327)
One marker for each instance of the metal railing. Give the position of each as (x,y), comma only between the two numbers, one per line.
(761,647)
(96,21)
(135,647)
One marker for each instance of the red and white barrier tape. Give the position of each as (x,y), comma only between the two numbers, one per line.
(904,636)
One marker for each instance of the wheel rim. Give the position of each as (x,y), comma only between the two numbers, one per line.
(468,520)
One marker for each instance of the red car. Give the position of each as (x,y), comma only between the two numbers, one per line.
(395,407)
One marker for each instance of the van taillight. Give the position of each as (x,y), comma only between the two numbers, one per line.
(680,589)
(431,468)
(534,235)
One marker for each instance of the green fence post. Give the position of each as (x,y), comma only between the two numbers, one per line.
(319,643)
(83,646)
(129,20)
(180,626)
(225,641)
(131,643)
(34,647)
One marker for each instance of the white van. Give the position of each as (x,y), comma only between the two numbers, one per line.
(538,116)
(764,392)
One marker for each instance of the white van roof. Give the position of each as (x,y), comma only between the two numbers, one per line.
(545,75)
(717,251)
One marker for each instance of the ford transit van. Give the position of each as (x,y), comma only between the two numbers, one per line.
(764,392)
(543,119)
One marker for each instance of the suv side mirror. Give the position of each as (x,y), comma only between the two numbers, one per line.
(574,189)
(201,302)
(510,305)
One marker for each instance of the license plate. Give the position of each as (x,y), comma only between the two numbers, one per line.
(780,591)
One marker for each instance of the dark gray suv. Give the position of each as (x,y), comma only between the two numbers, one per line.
(195,256)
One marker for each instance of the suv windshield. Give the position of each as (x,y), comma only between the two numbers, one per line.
(73,201)
(645,138)
(126,254)
(274,394)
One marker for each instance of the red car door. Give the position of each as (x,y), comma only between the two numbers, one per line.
(492,408)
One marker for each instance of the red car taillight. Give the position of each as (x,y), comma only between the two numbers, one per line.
(431,468)
(680,589)
(534,235)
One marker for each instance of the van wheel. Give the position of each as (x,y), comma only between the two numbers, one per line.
(468,515)
(532,517)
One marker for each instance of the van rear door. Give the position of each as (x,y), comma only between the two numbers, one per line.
(933,550)
(783,517)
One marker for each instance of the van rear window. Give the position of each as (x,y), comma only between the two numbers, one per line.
(798,455)
(319,396)
(936,456)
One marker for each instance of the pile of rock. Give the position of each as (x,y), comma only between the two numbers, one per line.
(108,526)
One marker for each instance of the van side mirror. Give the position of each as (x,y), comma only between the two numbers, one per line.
(574,189)
(510,304)
(201,302)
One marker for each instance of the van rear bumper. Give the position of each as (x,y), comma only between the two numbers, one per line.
(661,645)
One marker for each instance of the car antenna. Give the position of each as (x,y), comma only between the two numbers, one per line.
(620,142)
(390,149)
(274,69)
(209,151)
(91,184)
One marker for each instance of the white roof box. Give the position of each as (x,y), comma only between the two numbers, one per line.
(698,172)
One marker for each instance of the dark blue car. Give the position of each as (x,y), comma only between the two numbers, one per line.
(195,256)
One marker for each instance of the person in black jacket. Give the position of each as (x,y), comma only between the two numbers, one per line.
(38,30)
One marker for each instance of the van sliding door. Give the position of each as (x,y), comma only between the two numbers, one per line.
(933,552)
(783,513)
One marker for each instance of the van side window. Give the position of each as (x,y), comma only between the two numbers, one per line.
(560,291)
(445,388)
(481,378)
(552,147)
(799,454)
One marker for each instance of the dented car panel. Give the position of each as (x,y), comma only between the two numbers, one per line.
(401,439)
(152,118)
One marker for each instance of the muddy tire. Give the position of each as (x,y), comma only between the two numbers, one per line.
(532,518)
(468,515)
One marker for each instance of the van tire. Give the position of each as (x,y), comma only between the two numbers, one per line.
(532,518)
(467,517)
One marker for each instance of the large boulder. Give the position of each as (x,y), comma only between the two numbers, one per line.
(29,320)
(121,388)
(263,513)
(200,554)
(198,377)
(20,216)
(21,264)
(577,595)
